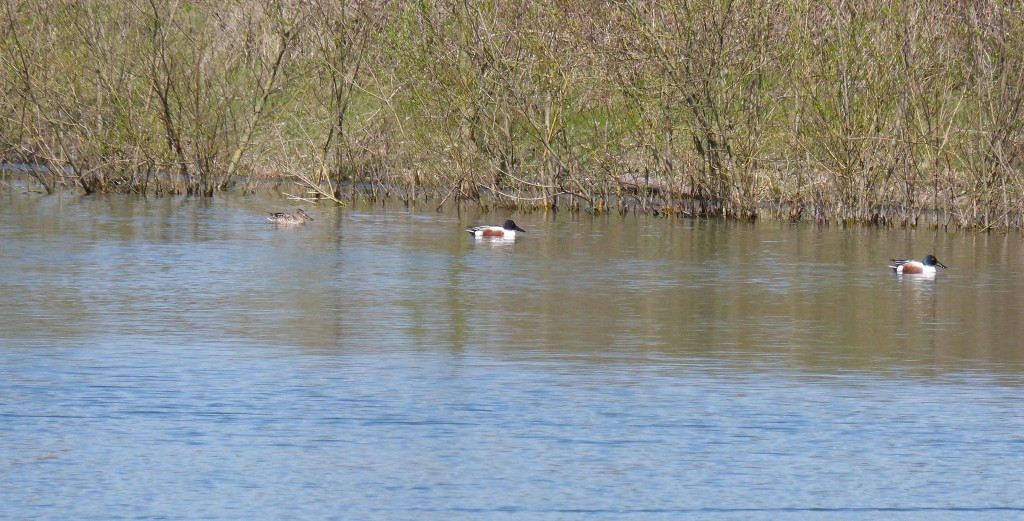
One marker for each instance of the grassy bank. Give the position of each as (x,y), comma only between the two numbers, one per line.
(895,113)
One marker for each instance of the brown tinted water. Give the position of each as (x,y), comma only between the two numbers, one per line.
(183,358)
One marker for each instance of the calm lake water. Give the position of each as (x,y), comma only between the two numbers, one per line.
(186,359)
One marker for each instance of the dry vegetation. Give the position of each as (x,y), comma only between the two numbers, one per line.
(896,113)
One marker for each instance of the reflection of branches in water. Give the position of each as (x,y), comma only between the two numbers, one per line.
(315,192)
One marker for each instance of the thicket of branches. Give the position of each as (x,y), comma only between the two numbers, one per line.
(884,112)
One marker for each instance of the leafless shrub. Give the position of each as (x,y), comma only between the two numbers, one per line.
(902,114)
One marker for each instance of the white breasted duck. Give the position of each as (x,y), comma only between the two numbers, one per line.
(507,230)
(913,267)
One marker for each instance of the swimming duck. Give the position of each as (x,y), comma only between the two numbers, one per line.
(508,230)
(296,217)
(909,267)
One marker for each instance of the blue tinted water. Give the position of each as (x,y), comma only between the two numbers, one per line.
(177,359)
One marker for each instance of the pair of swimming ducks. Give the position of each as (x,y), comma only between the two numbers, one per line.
(900,266)
(508,230)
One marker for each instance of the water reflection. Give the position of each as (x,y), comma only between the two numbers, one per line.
(495,242)
(600,367)
(688,288)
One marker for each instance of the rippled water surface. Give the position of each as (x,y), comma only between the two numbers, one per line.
(186,359)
